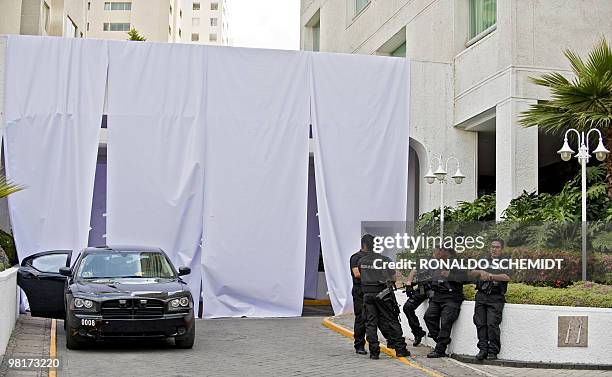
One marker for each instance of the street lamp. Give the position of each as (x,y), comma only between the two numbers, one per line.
(583,158)
(440,176)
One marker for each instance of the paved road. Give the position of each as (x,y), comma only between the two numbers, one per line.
(235,347)
(241,347)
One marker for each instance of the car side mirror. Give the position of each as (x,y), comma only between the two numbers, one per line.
(65,271)
(184,271)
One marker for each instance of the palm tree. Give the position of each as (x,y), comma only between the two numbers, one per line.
(8,187)
(583,102)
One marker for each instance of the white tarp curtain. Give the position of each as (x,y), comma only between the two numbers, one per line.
(53,109)
(360,126)
(155,108)
(255,183)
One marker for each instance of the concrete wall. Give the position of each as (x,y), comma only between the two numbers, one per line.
(529,333)
(8,306)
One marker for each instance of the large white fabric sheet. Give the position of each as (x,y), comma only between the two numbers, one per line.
(255,183)
(53,110)
(156,104)
(360,120)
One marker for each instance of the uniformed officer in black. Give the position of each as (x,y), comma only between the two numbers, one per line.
(367,244)
(444,303)
(490,299)
(379,313)
(415,298)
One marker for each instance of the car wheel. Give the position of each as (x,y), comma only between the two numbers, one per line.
(73,341)
(186,342)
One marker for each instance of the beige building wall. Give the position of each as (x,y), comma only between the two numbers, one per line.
(43,17)
(10,16)
(180,21)
(464,90)
(152,18)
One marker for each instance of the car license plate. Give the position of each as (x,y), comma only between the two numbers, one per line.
(88,322)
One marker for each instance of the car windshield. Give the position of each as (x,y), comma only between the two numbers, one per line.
(125,264)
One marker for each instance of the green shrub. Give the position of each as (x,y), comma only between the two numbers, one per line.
(578,294)
(8,245)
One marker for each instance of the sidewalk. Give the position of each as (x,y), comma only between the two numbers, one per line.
(30,340)
(451,367)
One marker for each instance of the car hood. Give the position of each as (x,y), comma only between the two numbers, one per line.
(138,287)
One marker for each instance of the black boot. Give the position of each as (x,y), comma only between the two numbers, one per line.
(361,351)
(402,353)
(481,355)
(435,354)
(418,338)
(492,356)
(374,356)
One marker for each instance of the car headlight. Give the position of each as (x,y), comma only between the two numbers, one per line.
(179,303)
(83,304)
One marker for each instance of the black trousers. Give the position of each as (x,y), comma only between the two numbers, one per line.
(487,318)
(439,318)
(380,316)
(359,328)
(415,299)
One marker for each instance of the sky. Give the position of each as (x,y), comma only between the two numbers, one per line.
(265,23)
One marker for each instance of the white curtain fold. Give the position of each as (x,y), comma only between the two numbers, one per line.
(255,183)
(360,110)
(53,110)
(156,103)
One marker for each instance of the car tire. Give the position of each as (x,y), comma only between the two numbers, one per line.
(73,342)
(186,342)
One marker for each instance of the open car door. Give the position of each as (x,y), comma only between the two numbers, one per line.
(40,279)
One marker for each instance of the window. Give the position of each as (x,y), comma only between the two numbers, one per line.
(181,13)
(214,21)
(180,33)
(116,26)
(88,26)
(170,9)
(195,21)
(70,28)
(195,37)
(46,13)
(196,6)
(400,51)
(50,262)
(316,36)
(360,5)
(483,15)
(212,37)
(117,6)
(312,32)
(89,5)
(214,6)
(169,30)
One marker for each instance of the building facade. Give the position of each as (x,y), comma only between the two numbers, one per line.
(180,21)
(471,63)
(63,18)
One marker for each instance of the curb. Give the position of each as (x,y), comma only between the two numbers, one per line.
(327,322)
(530,364)
(53,347)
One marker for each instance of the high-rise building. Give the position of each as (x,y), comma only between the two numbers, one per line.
(65,18)
(180,21)
(471,61)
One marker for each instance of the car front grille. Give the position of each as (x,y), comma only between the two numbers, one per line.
(132,309)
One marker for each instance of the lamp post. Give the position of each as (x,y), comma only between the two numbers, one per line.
(440,176)
(583,158)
